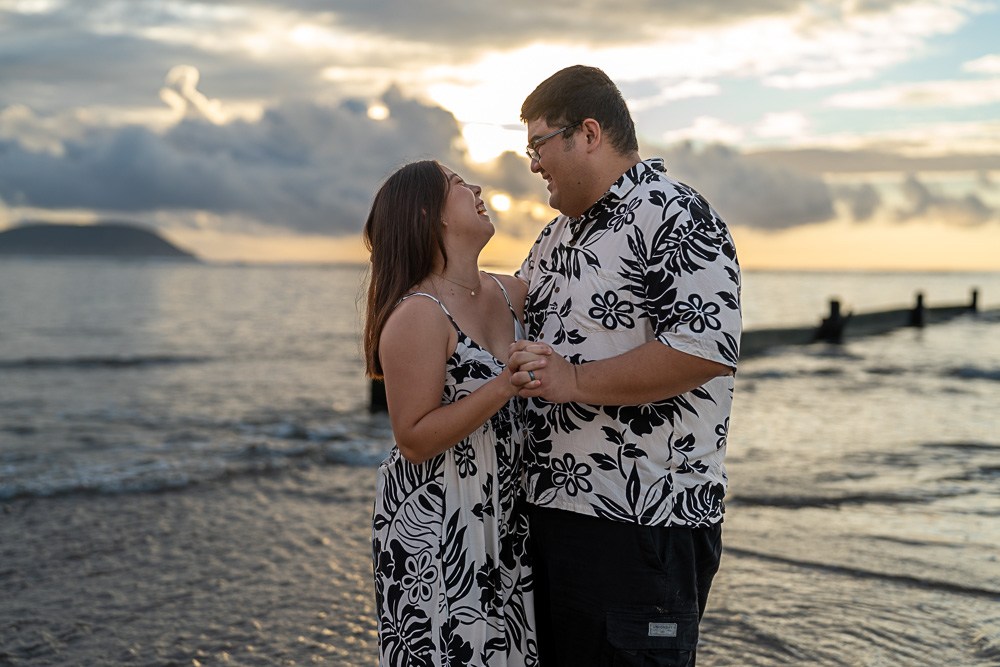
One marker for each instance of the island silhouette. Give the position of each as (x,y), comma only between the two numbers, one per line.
(122,240)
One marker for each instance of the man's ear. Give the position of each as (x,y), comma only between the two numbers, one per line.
(592,132)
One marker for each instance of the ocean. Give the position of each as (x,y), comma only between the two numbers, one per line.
(187,466)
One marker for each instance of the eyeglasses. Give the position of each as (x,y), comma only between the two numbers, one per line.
(532,149)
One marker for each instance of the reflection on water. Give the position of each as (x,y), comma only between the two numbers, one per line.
(863,518)
(862,524)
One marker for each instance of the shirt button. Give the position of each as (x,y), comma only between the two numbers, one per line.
(557,290)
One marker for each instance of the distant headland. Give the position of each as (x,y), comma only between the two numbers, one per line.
(107,239)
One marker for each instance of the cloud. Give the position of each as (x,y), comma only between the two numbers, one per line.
(254,48)
(923,202)
(869,189)
(986,65)
(706,129)
(862,160)
(511,173)
(826,44)
(785,124)
(751,194)
(924,94)
(266,121)
(862,200)
(515,23)
(182,95)
(306,167)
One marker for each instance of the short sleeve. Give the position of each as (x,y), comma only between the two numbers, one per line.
(693,282)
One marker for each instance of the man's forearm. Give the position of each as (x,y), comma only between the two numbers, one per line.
(651,372)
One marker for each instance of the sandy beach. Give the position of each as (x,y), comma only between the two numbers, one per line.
(271,570)
(187,473)
(275,570)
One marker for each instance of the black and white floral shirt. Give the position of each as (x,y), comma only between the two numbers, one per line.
(650,261)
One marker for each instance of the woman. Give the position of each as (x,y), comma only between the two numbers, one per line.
(452,583)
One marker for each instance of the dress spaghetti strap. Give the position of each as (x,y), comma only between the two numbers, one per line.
(438,302)
(506,297)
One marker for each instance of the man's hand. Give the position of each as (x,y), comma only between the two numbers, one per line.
(651,372)
(538,371)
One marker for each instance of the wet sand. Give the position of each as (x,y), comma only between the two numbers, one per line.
(251,571)
(275,570)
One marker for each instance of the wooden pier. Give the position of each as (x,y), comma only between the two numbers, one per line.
(833,328)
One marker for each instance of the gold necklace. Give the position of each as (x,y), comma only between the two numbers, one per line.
(472,290)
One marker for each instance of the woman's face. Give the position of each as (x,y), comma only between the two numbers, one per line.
(464,212)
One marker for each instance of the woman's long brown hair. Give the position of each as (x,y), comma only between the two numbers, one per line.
(403,234)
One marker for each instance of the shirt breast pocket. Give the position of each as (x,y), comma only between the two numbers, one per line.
(603,304)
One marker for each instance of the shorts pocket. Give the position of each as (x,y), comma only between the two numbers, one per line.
(652,628)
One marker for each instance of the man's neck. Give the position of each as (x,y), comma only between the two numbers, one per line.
(609,173)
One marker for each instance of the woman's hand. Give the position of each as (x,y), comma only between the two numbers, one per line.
(543,373)
(524,359)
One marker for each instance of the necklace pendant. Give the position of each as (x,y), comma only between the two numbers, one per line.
(472,293)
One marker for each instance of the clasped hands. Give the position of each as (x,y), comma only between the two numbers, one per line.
(537,371)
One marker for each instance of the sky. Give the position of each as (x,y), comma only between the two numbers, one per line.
(829,134)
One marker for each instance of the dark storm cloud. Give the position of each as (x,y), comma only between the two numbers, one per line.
(99,51)
(861,200)
(305,167)
(510,172)
(831,161)
(924,202)
(755,195)
(313,167)
(82,53)
(516,22)
(62,60)
(921,200)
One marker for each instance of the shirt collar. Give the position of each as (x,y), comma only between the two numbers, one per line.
(640,172)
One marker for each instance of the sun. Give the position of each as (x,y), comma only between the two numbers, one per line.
(500,202)
(378,111)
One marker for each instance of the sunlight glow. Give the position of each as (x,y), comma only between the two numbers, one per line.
(500,202)
(485,142)
(378,111)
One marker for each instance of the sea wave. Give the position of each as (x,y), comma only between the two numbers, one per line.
(99,362)
(155,469)
(974,373)
(143,476)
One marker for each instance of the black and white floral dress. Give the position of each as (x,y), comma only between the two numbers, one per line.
(452,581)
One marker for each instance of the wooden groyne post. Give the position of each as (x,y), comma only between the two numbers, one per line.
(831,329)
(917,315)
(836,326)
(376,401)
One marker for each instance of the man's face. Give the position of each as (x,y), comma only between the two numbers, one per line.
(558,164)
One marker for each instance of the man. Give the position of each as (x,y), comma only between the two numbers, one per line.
(636,288)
